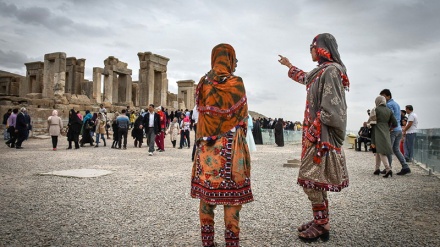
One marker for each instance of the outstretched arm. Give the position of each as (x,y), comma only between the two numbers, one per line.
(294,73)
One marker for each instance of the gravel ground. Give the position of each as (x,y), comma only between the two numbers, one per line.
(146,201)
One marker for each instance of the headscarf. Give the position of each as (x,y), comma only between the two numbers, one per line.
(327,51)
(73,117)
(54,113)
(87,116)
(380,100)
(220,96)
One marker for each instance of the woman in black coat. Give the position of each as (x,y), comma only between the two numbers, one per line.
(256,132)
(74,129)
(137,133)
(279,132)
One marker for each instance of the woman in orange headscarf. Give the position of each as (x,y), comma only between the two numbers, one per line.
(221,170)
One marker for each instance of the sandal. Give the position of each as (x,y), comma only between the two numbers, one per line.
(314,231)
(305,226)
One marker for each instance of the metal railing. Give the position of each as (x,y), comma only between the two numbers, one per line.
(426,148)
(290,136)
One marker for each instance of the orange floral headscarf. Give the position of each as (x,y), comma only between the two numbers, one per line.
(220,95)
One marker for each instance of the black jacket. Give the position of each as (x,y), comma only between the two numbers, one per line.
(21,122)
(146,122)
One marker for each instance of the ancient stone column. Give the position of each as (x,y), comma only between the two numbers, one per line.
(108,86)
(54,78)
(79,75)
(97,72)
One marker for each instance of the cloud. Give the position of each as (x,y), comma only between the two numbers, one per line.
(13,59)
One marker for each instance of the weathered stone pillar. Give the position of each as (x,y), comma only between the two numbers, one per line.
(164,89)
(108,86)
(79,75)
(97,72)
(54,78)
(135,93)
(115,88)
(70,75)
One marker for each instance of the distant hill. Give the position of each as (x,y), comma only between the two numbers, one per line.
(256,114)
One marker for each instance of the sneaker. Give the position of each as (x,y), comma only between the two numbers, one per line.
(54,149)
(150,154)
(161,150)
(404,171)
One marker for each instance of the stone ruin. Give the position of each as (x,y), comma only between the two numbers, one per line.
(58,83)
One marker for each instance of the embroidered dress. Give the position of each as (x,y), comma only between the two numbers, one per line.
(221,169)
(323,164)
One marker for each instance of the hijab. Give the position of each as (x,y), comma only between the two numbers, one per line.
(73,117)
(220,95)
(380,100)
(327,51)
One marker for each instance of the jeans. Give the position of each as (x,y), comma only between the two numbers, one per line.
(395,137)
(183,134)
(409,145)
(6,135)
(97,138)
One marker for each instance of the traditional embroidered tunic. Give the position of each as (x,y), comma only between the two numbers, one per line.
(323,164)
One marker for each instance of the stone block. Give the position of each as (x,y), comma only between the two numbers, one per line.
(34,95)
(42,103)
(79,99)
(61,99)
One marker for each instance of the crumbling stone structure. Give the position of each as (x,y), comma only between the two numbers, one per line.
(153,82)
(185,94)
(58,83)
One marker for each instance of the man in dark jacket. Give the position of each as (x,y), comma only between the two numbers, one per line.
(21,128)
(151,124)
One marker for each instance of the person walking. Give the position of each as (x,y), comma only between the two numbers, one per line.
(380,138)
(21,128)
(137,132)
(74,129)
(323,167)
(12,120)
(151,125)
(54,127)
(100,123)
(115,131)
(221,168)
(123,123)
(184,132)
(160,137)
(174,130)
(87,128)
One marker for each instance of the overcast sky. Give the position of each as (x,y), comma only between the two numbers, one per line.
(384,44)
